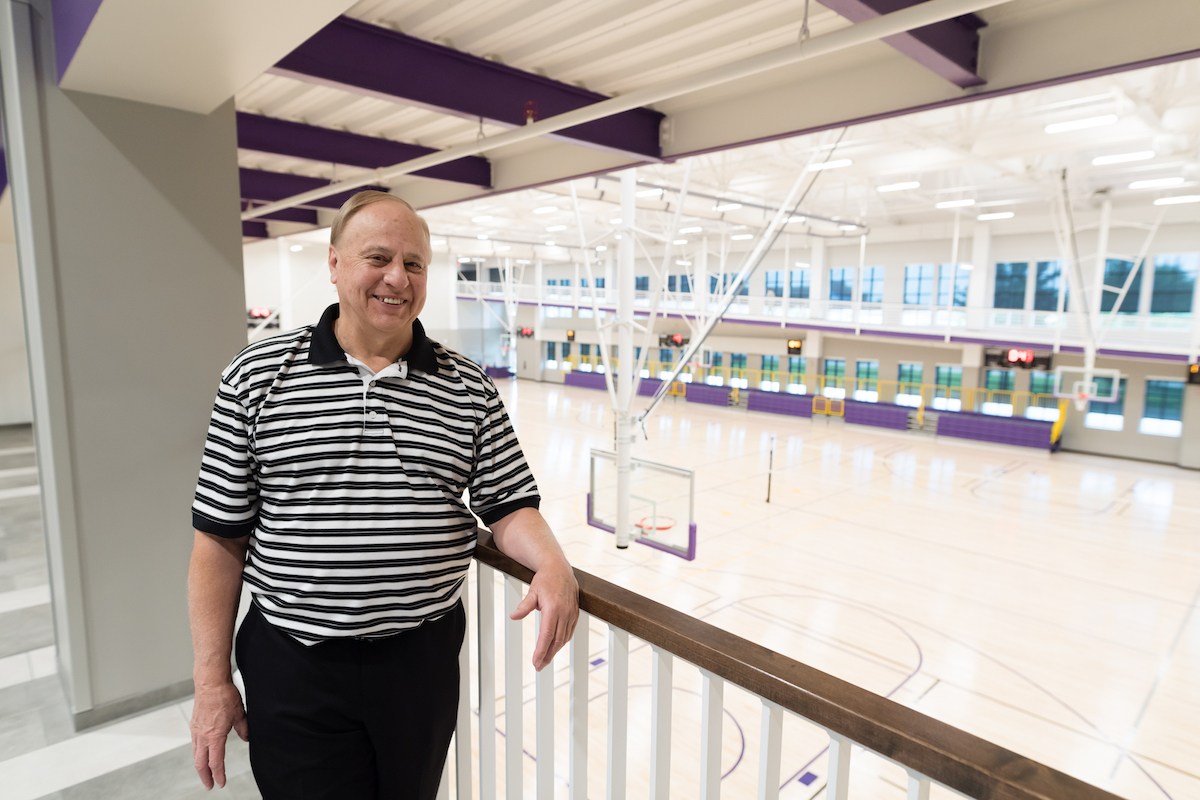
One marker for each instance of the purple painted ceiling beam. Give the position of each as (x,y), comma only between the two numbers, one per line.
(270,135)
(949,48)
(72,18)
(3,172)
(259,184)
(254,230)
(425,74)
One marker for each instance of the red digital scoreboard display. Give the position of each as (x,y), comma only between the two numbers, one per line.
(1022,358)
(526,332)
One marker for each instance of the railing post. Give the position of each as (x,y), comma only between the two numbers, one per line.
(545,728)
(712,713)
(918,786)
(462,729)
(770,747)
(661,688)
(579,709)
(618,710)
(513,692)
(838,787)
(487,682)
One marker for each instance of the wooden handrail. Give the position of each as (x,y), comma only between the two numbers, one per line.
(941,752)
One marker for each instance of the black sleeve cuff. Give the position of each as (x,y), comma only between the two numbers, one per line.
(497,513)
(223,529)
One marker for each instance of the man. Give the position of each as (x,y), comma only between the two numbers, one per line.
(332,484)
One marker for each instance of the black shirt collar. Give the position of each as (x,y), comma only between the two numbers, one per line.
(324,347)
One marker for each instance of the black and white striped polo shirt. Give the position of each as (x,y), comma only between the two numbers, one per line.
(351,483)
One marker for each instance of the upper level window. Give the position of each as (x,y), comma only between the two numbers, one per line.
(641,283)
(1004,380)
(670,283)
(959,278)
(770,363)
(599,283)
(918,284)
(872,284)
(841,284)
(1106,416)
(1116,271)
(1163,412)
(774,283)
(1011,277)
(1047,283)
(1174,283)
(798,284)
(494,275)
(685,283)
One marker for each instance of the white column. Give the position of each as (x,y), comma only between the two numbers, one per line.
(625,377)
(817,290)
(287,316)
(700,288)
(981,259)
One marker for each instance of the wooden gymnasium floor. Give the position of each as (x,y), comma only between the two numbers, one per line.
(1046,603)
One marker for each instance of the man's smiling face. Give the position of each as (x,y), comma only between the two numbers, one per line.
(380,267)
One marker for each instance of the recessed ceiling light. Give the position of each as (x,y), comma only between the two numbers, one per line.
(796,219)
(848,227)
(682,263)
(994,203)
(1080,124)
(1123,158)
(1156,183)
(465,259)
(690,230)
(996,215)
(649,192)
(296,248)
(680,241)
(554,228)
(727,206)
(545,210)
(484,218)
(841,162)
(549,243)
(482,236)
(615,221)
(899,187)
(1183,198)
(601,249)
(741,237)
(955,203)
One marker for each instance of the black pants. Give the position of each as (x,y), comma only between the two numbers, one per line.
(354,719)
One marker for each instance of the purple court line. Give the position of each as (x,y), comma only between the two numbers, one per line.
(1132,758)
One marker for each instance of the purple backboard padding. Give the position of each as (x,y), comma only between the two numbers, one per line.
(709,395)
(1001,430)
(881,415)
(796,405)
(72,18)
(648,387)
(588,380)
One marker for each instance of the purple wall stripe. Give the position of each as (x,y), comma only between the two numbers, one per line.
(72,18)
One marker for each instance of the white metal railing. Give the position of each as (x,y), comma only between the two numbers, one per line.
(928,750)
(1167,333)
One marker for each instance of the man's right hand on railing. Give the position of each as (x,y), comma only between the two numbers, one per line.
(525,537)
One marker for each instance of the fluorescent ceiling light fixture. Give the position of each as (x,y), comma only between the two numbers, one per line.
(549,243)
(1173,201)
(955,203)
(296,248)
(994,203)
(649,192)
(545,210)
(465,259)
(484,218)
(903,186)
(848,227)
(1123,158)
(727,206)
(796,219)
(554,228)
(680,241)
(1156,183)
(690,230)
(841,162)
(996,215)
(741,237)
(967,267)
(482,236)
(601,248)
(803,264)
(1080,124)
(615,221)
(682,263)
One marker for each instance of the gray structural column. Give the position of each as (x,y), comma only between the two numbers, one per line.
(127,233)
(1189,444)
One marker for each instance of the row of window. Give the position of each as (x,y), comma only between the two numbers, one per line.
(1035,286)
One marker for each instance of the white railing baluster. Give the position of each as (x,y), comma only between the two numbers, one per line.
(918,786)
(545,728)
(462,728)
(661,688)
(770,748)
(513,692)
(712,713)
(487,681)
(838,787)
(618,710)
(579,709)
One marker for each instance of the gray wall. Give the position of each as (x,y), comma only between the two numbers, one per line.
(144,274)
(15,405)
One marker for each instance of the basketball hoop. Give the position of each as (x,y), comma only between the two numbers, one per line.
(1081,401)
(647,524)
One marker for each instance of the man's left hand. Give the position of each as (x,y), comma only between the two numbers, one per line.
(555,593)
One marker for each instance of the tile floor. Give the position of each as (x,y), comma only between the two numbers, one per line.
(1047,603)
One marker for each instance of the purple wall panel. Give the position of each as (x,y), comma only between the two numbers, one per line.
(72,18)
(648,387)
(796,405)
(881,415)
(1002,430)
(709,395)
(588,380)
